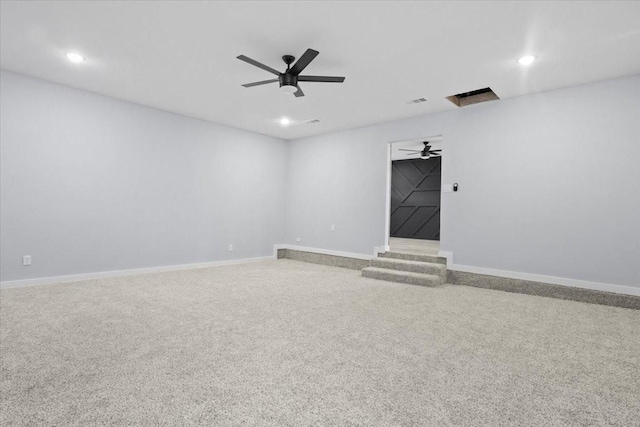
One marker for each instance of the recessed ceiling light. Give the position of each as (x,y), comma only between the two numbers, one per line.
(76,58)
(526,60)
(285,121)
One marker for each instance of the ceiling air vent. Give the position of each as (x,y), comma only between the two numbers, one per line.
(417,101)
(311,121)
(473,97)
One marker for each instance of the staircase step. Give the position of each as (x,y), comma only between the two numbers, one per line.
(414,257)
(413,266)
(402,276)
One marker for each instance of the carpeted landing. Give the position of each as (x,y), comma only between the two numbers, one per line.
(286,343)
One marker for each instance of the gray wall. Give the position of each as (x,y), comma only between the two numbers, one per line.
(549,183)
(92,184)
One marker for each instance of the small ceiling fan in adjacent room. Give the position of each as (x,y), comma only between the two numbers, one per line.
(425,153)
(289,79)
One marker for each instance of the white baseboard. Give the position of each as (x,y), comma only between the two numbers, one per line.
(320,251)
(597,286)
(380,249)
(562,281)
(447,255)
(119,273)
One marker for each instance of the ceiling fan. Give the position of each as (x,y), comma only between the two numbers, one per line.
(289,79)
(425,153)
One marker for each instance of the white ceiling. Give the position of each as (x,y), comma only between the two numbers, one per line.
(181,56)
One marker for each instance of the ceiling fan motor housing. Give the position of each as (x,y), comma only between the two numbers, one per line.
(287,79)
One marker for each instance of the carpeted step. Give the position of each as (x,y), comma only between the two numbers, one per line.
(414,257)
(413,266)
(408,277)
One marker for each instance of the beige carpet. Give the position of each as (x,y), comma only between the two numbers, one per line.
(414,246)
(285,343)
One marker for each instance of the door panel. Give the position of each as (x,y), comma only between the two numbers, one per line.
(415,198)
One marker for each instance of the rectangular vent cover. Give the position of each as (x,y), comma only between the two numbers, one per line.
(473,97)
(311,121)
(417,101)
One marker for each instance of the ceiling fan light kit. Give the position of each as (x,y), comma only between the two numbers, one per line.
(288,88)
(288,80)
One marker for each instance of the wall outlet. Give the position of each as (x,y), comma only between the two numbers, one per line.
(26,260)
(230,247)
(333,227)
(298,239)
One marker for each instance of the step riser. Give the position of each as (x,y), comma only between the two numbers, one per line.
(414,257)
(424,268)
(391,276)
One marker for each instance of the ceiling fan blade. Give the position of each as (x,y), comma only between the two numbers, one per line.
(406,149)
(324,79)
(299,92)
(258,64)
(304,60)
(264,82)
(434,151)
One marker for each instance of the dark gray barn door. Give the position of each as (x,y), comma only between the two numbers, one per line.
(415,198)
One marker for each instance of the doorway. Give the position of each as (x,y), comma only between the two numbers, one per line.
(414,196)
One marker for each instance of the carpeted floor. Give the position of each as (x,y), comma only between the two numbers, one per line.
(414,246)
(285,343)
